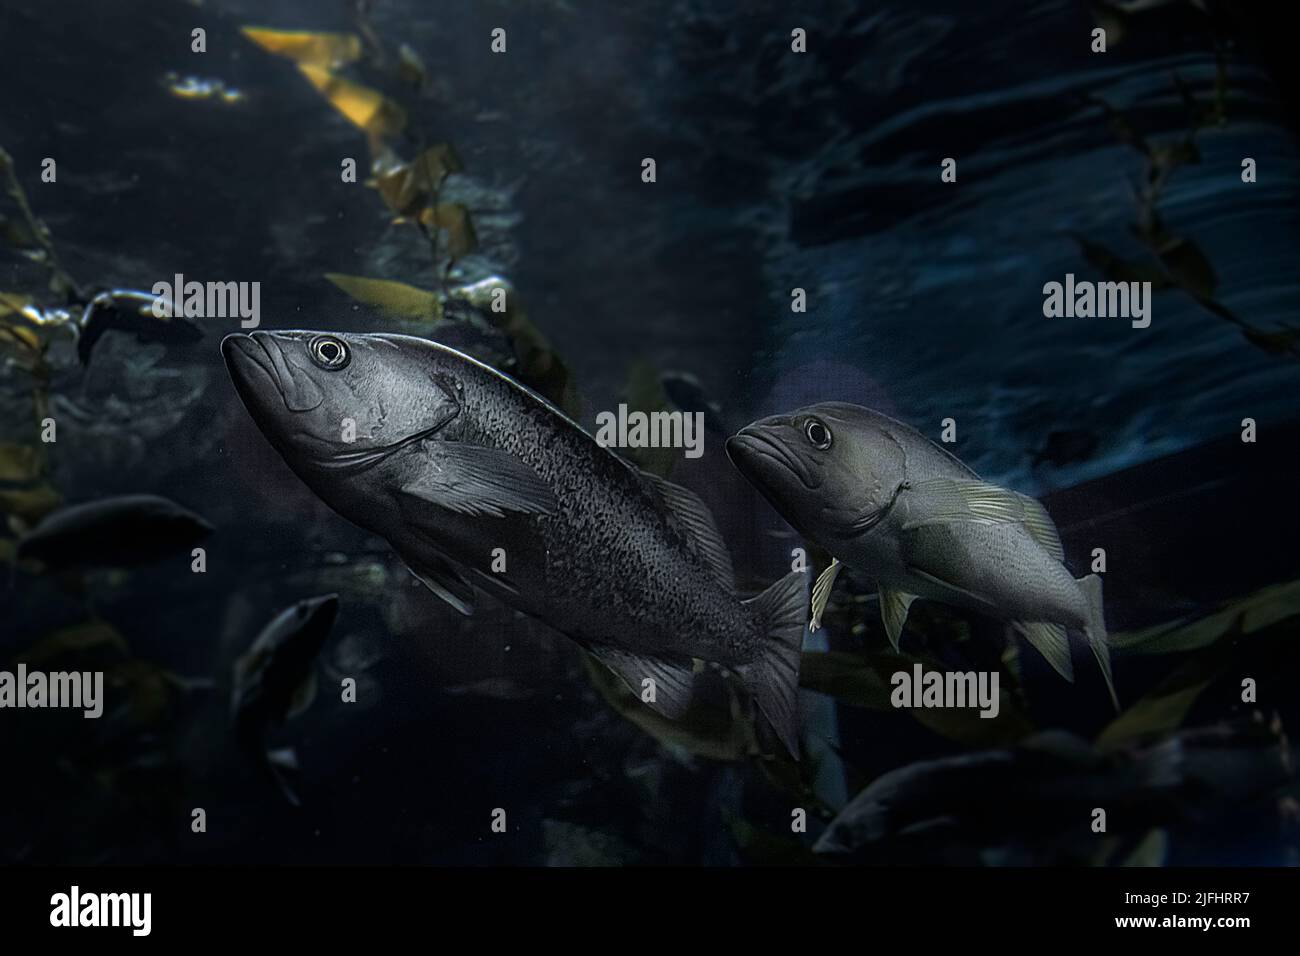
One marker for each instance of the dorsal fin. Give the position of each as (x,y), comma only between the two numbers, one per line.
(695,516)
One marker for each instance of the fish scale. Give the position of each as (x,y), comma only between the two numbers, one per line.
(627,548)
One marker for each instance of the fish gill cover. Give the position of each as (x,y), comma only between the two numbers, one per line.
(374,453)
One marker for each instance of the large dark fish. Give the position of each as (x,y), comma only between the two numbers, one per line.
(275,680)
(452,460)
(119,532)
(881,497)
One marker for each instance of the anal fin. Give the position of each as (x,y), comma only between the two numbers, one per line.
(893,612)
(444,580)
(673,685)
(1051,641)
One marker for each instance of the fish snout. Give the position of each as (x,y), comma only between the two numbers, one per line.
(259,359)
(765,460)
(735,446)
(247,362)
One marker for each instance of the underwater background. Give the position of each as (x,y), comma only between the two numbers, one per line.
(776,170)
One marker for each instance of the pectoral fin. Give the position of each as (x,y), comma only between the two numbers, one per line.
(672,681)
(821,594)
(475,480)
(893,611)
(959,499)
(941,500)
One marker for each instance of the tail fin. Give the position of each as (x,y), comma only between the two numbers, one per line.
(1096,631)
(773,678)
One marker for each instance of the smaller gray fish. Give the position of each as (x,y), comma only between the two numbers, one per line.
(881,497)
(120,532)
(275,680)
(125,310)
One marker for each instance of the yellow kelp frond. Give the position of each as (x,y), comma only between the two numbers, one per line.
(328,50)
(408,186)
(365,108)
(19,464)
(396,298)
(30,505)
(453,218)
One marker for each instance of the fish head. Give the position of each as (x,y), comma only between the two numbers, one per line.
(340,403)
(305,624)
(283,652)
(824,468)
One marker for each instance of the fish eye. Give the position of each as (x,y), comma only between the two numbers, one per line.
(329,353)
(818,434)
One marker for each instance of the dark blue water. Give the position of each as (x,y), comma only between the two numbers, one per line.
(776,171)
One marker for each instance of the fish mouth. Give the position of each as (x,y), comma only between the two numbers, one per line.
(751,445)
(250,356)
(247,360)
(252,372)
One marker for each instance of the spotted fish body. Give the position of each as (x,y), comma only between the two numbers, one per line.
(882,498)
(461,468)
